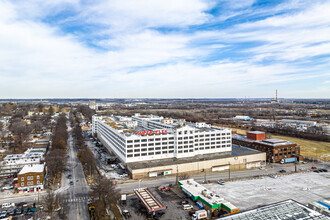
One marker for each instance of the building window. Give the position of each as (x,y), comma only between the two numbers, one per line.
(22,179)
(22,184)
(38,182)
(38,177)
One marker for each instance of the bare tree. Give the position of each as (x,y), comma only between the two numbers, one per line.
(184,176)
(52,203)
(55,162)
(105,191)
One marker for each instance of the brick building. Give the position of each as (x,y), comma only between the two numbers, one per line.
(31,178)
(276,149)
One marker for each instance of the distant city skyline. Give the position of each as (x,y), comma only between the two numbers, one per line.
(164,49)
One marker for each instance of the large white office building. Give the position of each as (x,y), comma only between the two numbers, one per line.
(149,137)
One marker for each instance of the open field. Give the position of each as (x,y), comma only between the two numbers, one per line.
(248,194)
(308,148)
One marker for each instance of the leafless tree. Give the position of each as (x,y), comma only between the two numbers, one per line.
(55,161)
(184,176)
(51,203)
(105,191)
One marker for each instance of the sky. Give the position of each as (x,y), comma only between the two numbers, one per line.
(164,48)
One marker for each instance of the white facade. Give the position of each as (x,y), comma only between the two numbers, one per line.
(15,162)
(161,140)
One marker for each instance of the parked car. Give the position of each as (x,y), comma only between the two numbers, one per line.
(159,214)
(69,176)
(317,171)
(324,170)
(23,204)
(273,176)
(304,162)
(7,205)
(71,182)
(124,175)
(12,212)
(33,209)
(314,168)
(221,182)
(164,188)
(3,214)
(25,211)
(183,202)
(19,210)
(282,171)
(187,207)
(7,187)
(191,212)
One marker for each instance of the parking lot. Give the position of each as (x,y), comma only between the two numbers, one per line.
(112,170)
(18,211)
(169,198)
(302,187)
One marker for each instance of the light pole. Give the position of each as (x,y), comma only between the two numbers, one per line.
(139,185)
(229,170)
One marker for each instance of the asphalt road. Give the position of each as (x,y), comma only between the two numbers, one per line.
(74,196)
(272,169)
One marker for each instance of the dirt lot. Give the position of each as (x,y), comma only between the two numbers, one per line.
(302,187)
(308,148)
(170,199)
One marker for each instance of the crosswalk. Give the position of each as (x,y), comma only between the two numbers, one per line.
(77,199)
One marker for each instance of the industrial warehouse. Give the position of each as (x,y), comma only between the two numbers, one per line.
(275,149)
(155,146)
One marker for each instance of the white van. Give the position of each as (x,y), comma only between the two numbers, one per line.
(187,207)
(7,205)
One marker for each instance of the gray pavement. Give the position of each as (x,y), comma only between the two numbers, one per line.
(74,196)
(128,187)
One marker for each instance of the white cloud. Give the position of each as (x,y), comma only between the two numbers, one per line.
(132,15)
(38,60)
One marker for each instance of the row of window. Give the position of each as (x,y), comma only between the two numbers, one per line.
(172,151)
(212,143)
(30,183)
(30,178)
(150,139)
(111,137)
(280,154)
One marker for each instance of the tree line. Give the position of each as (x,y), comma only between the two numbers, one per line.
(56,157)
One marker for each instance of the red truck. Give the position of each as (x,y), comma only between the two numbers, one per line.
(164,188)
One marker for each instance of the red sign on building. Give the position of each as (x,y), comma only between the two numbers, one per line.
(152,132)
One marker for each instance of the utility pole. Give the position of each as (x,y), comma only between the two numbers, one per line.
(229,170)
(204,176)
(177,175)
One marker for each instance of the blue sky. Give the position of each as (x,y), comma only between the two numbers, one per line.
(164,49)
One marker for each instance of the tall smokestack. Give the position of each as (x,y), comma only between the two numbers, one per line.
(276,95)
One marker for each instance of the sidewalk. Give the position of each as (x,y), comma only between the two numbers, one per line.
(23,195)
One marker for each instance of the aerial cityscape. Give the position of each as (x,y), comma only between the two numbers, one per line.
(169,110)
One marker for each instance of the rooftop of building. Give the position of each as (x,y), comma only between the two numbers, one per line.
(236,151)
(124,124)
(197,190)
(34,168)
(25,155)
(269,142)
(256,132)
(288,209)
